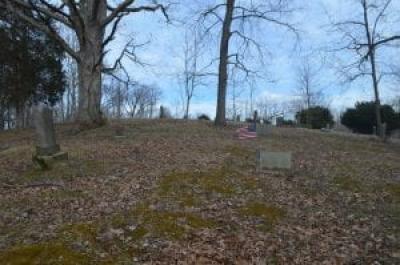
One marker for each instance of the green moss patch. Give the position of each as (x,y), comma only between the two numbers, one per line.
(172,225)
(65,170)
(139,233)
(147,222)
(394,191)
(62,194)
(269,215)
(80,232)
(240,157)
(348,183)
(17,151)
(96,237)
(192,189)
(218,181)
(238,151)
(186,187)
(48,253)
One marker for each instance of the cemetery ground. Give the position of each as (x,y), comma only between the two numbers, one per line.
(169,192)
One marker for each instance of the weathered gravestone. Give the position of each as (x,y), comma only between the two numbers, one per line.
(47,148)
(273,160)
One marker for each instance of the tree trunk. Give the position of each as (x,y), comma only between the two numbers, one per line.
(186,116)
(2,117)
(9,123)
(19,115)
(223,63)
(90,63)
(119,102)
(89,93)
(73,85)
(378,113)
(371,50)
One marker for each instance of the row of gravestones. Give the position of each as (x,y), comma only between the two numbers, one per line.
(47,149)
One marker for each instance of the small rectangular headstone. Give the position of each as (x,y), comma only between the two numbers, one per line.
(273,160)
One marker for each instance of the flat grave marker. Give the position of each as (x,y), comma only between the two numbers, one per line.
(273,160)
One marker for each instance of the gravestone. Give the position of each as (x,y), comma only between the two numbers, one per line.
(47,148)
(45,134)
(273,160)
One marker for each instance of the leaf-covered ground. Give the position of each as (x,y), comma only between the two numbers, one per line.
(187,193)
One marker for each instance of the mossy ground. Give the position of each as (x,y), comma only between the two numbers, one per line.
(269,215)
(47,254)
(184,188)
(64,170)
(168,224)
(193,189)
(394,191)
(348,183)
(348,176)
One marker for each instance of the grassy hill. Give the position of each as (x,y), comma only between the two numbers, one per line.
(186,192)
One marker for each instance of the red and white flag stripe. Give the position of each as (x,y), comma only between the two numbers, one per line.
(244,133)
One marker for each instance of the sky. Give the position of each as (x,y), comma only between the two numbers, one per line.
(283,53)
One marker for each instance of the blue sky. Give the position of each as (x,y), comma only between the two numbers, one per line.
(283,54)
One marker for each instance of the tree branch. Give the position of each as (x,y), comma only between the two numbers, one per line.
(384,41)
(56,15)
(124,7)
(129,52)
(43,27)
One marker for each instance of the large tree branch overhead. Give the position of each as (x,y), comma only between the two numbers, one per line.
(87,20)
(20,11)
(70,14)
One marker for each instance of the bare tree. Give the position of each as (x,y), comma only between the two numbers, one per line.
(136,95)
(235,17)
(88,20)
(72,77)
(270,109)
(191,75)
(396,104)
(252,91)
(364,35)
(142,100)
(117,96)
(155,94)
(307,83)
(67,106)
(308,92)
(235,93)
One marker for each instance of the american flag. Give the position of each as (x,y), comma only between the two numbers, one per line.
(246,133)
